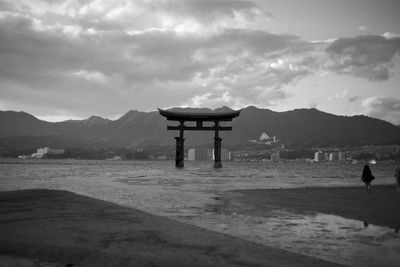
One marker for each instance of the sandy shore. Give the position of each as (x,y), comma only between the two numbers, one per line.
(381,207)
(72,230)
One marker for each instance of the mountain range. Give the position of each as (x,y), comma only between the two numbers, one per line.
(134,129)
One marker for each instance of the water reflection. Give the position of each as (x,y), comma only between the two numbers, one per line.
(396,229)
(329,237)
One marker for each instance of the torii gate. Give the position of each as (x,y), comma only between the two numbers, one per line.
(199,118)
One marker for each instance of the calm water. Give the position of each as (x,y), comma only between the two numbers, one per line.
(182,194)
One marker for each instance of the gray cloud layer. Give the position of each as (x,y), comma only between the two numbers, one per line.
(109,56)
(364,56)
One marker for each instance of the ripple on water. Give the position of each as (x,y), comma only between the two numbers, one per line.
(329,237)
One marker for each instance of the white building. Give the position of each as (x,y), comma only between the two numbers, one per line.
(341,156)
(318,156)
(225,154)
(332,156)
(44,151)
(191,154)
(264,137)
(198,153)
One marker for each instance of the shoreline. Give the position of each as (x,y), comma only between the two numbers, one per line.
(63,227)
(381,207)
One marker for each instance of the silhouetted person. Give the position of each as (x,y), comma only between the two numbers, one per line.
(397,178)
(365,224)
(367,178)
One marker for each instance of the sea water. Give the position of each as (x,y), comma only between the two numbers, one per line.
(159,188)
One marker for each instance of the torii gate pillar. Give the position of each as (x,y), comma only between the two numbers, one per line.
(217,148)
(180,148)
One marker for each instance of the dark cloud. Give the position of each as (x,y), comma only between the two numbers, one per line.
(6,6)
(365,56)
(28,56)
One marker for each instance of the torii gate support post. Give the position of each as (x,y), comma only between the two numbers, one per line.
(217,147)
(180,149)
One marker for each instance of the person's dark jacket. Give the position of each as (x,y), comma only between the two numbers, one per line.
(367,176)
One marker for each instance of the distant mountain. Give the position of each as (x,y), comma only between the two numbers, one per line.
(135,128)
(96,120)
(313,126)
(20,123)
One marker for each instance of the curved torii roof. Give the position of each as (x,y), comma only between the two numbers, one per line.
(203,116)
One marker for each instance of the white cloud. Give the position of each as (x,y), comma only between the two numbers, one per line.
(391,35)
(342,94)
(362,28)
(198,100)
(384,108)
(327,41)
(93,76)
(54,118)
(213,100)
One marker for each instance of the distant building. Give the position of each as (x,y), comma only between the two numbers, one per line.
(263,137)
(225,155)
(114,158)
(191,155)
(231,156)
(341,156)
(198,153)
(318,156)
(332,156)
(326,156)
(161,157)
(43,152)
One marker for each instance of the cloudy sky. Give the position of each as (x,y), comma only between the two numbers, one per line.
(62,59)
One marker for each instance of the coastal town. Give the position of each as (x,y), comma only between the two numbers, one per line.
(252,151)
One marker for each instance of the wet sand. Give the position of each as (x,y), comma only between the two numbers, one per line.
(67,229)
(381,207)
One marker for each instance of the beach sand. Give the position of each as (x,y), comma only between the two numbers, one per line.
(60,228)
(381,207)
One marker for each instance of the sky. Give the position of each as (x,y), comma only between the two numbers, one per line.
(70,59)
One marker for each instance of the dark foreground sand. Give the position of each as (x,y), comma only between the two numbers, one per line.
(73,230)
(381,207)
